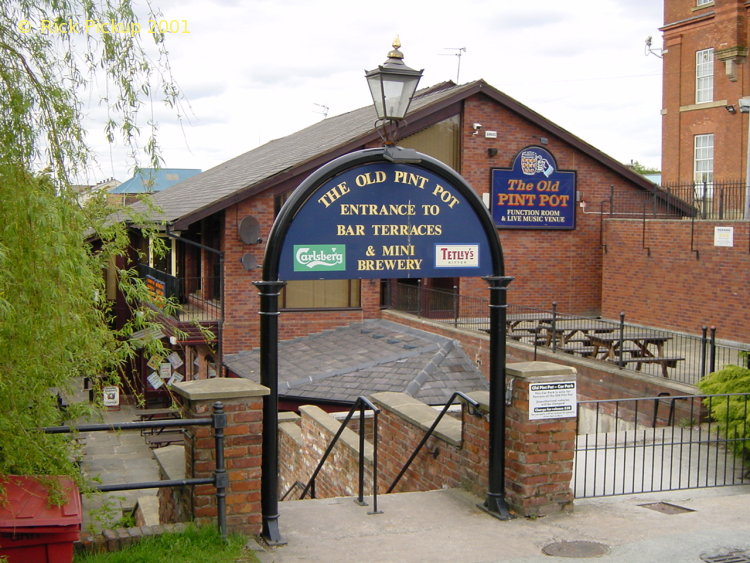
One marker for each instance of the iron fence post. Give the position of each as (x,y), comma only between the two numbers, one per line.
(712,364)
(495,502)
(374,463)
(455,306)
(419,297)
(361,494)
(704,343)
(554,327)
(219,422)
(620,350)
(269,376)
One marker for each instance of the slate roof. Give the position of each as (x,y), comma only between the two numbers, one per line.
(339,365)
(306,150)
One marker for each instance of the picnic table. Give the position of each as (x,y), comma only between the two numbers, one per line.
(157,414)
(513,320)
(636,349)
(566,331)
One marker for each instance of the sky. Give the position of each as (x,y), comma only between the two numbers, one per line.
(255,70)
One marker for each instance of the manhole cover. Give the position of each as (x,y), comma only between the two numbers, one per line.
(666,508)
(733,557)
(578,549)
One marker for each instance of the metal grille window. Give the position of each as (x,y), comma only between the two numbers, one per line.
(704,76)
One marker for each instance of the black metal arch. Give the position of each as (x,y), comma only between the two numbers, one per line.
(271,286)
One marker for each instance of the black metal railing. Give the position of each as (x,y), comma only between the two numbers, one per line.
(474,405)
(662,443)
(196,298)
(361,404)
(662,353)
(717,200)
(220,479)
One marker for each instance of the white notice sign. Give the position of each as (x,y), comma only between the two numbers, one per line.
(723,236)
(552,400)
(154,380)
(111,396)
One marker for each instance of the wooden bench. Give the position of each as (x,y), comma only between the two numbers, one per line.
(584,351)
(640,360)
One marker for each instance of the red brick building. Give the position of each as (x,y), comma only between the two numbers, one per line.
(218,221)
(706,74)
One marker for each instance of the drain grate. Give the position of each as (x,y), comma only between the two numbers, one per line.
(733,557)
(666,508)
(576,549)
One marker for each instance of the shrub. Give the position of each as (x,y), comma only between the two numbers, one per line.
(731,412)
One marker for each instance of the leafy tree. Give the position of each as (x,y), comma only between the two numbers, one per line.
(54,316)
(731,412)
(636,166)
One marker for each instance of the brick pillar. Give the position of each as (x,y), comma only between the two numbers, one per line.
(540,445)
(243,405)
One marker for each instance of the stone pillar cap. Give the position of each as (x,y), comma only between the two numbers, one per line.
(219,388)
(539,369)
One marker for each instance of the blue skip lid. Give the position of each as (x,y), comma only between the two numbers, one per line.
(25,507)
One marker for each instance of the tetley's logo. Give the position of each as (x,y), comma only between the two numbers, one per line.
(319,258)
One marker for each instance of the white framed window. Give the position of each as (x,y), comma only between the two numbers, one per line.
(704,76)
(703,165)
(703,2)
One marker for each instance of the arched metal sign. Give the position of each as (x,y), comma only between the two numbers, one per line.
(370,214)
(363,216)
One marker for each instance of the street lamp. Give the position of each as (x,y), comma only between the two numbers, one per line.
(392,86)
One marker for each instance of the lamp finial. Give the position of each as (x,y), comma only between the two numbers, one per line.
(396,54)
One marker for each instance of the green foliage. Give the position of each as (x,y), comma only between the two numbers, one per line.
(53,326)
(636,166)
(732,413)
(43,76)
(194,544)
(55,318)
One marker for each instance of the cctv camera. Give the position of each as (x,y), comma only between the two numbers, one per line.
(477,126)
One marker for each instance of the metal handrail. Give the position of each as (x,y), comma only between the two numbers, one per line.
(361,403)
(429,432)
(220,479)
(295,485)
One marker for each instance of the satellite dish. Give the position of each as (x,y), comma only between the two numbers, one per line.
(249,230)
(248,261)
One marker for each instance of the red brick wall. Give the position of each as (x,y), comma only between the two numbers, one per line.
(674,287)
(241,322)
(242,458)
(339,476)
(721,25)
(437,466)
(562,266)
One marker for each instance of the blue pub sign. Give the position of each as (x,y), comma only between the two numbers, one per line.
(386,220)
(533,194)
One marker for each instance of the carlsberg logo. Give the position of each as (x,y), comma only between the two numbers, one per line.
(319,258)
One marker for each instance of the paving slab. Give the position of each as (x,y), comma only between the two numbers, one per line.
(113,457)
(447,525)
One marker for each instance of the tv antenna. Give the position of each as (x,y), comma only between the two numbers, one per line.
(651,51)
(459,51)
(323,110)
